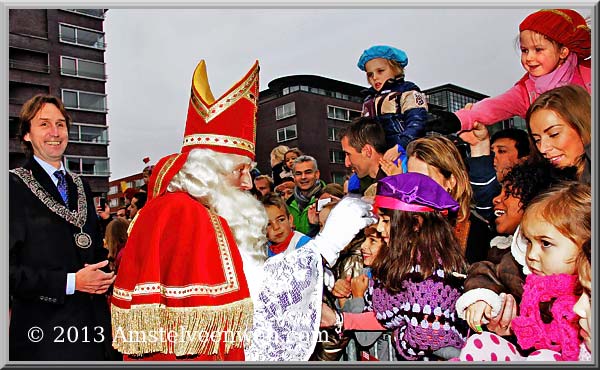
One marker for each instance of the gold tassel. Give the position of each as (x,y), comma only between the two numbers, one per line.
(152,328)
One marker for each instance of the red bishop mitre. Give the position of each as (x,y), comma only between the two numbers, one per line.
(226,125)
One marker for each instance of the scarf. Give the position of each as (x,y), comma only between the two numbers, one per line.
(304,200)
(559,77)
(278,248)
(562,333)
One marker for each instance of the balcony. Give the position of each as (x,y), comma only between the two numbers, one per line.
(95,13)
(26,66)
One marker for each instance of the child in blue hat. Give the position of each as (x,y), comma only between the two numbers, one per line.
(398,105)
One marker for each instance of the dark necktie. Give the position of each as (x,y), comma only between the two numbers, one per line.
(62,186)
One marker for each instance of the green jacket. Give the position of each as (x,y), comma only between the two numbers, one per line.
(301,218)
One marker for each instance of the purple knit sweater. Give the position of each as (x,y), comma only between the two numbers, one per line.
(422,314)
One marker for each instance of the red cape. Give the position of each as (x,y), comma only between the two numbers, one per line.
(181,271)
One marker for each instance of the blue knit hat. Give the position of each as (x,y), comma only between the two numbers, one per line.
(385,52)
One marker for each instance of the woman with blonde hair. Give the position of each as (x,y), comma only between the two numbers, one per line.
(438,158)
(278,167)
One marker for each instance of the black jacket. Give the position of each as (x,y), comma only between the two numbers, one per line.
(42,251)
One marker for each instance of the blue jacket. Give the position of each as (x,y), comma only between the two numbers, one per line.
(401,108)
(485,185)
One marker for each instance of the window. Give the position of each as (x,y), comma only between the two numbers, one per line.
(114,202)
(343,114)
(316,90)
(336,156)
(113,190)
(81,36)
(333,133)
(82,100)
(88,134)
(93,166)
(82,68)
(518,122)
(290,89)
(286,133)
(139,183)
(286,110)
(338,178)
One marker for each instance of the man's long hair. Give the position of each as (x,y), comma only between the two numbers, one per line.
(203,177)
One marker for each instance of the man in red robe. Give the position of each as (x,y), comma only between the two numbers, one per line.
(192,268)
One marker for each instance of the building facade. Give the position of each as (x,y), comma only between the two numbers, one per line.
(308,112)
(61,52)
(451,98)
(117,190)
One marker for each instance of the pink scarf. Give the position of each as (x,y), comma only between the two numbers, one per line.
(562,334)
(563,75)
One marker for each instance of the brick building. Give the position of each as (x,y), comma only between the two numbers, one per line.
(61,52)
(308,112)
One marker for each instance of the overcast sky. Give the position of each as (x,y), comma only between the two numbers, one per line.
(151,55)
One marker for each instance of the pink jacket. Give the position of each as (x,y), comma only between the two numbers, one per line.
(515,101)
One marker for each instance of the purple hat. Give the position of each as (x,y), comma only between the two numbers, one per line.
(413,192)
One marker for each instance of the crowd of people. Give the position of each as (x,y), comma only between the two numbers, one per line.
(426,253)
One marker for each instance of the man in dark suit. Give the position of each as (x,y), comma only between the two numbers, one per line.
(57,286)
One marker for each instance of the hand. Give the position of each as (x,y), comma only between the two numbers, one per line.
(328,317)
(389,167)
(359,285)
(313,215)
(346,219)
(104,214)
(90,279)
(341,288)
(392,153)
(501,323)
(475,312)
(475,136)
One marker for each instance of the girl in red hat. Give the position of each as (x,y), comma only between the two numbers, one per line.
(555,51)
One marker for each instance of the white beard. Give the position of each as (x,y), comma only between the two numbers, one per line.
(202,177)
(247,220)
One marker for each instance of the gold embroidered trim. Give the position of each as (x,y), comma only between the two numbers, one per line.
(558,12)
(162,173)
(584,27)
(208,113)
(567,18)
(152,328)
(218,140)
(230,284)
(130,227)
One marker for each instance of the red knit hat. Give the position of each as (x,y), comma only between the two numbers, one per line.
(565,26)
